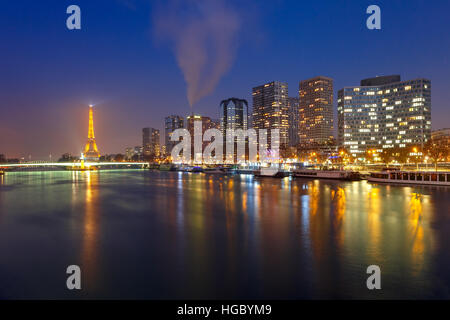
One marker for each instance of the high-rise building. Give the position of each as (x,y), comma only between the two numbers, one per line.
(215,124)
(150,142)
(233,116)
(384,112)
(191,119)
(271,110)
(294,119)
(316,111)
(171,123)
(205,123)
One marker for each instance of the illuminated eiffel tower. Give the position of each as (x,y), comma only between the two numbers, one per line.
(90,150)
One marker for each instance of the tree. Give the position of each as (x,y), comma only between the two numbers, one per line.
(67,157)
(436,151)
(119,157)
(400,154)
(386,156)
(288,152)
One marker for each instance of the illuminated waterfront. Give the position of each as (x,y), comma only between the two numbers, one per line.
(143,234)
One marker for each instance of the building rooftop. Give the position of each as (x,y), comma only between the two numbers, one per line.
(378,81)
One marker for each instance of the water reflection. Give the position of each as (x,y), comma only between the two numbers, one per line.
(417,232)
(184,235)
(91,225)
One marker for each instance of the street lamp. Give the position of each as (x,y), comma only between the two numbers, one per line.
(417,158)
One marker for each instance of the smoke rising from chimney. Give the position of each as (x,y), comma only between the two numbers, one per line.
(203,35)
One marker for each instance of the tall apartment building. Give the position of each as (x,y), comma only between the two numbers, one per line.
(294,121)
(316,111)
(171,123)
(384,112)
(271,110)
(150,142)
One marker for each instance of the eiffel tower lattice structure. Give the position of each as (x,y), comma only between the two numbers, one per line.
(90,150)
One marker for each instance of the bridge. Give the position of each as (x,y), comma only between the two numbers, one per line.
(73,164)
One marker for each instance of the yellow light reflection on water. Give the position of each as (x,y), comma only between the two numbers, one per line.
(90,230)
(373,218)
(340,200)
(314,194)
(417,234)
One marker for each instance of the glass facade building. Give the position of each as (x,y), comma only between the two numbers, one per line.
(233,116)
(384,112)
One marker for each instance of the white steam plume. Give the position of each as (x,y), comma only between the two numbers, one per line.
(203,34)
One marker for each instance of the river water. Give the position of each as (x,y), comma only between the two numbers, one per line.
(172,235)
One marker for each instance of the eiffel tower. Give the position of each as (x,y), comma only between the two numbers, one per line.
(90,150)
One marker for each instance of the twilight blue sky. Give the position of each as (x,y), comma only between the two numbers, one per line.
(117,61)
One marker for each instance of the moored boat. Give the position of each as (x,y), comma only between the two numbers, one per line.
(440,178)
(167,167)
(245,171)
(273,172)
(219,170)
(326,174)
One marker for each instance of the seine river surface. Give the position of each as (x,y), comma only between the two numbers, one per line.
(169,235)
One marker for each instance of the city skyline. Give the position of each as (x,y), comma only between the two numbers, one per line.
(219,158)
(145,84)
(387,80)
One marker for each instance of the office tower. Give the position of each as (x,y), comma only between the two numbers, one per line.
(294,119)
(150,143)
(384,112)
(316,112)
(233,116)
(270,110)
(171,123)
